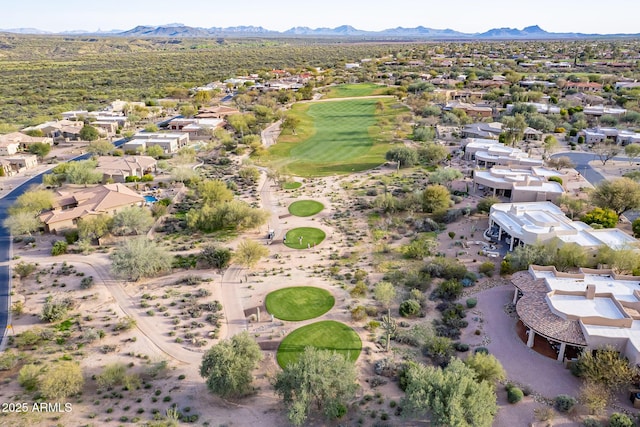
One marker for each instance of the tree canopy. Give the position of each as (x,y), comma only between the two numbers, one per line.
(619,195)
(138,258)
(319,379)
(452,396)
(228,366)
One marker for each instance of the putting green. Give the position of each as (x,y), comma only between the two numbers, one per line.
(310,237)
(291,185)
(305,208)
(325,335)
(299,303)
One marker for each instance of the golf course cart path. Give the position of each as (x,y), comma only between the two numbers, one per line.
(235,320)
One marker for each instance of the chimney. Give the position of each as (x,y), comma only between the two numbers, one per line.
(591,291)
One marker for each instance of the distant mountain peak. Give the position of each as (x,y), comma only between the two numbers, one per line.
(177,30)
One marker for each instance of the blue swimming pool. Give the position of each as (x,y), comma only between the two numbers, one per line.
(150,199)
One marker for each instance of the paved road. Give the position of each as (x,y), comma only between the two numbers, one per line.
(581,160)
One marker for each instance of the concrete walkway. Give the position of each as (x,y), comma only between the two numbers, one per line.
(545,376)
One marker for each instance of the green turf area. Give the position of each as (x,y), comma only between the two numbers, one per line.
(291,185)
(310,236)
(305,208)
(336,137)
(325,335)
(299,303)
(360,89)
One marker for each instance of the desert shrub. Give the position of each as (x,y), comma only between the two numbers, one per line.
(556,179)
(409,308)
(359,290)
(24,269)
(359,313)
(28,377)
(54,310)
(564,403)
(485,204)
(124,324)
(445,268)
(487,268)
(8,360)
(461,347)
(59,248)
(448,290)
(620,420)
(471,302)
(591,422)
(514,395)
(484,350)
(86,282)
(71,236)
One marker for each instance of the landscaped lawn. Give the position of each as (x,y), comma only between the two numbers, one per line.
(325,335)
(310,236)
(305,208)
(336,137)
(299,303)
(360,89)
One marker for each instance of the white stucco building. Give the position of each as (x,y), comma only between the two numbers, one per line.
(540,222)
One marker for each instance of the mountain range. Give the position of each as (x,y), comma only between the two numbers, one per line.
(183,31)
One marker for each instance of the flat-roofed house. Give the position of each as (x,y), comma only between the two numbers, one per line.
(489,152)
(519,183)
(589,309)
(71,205)
(542,222)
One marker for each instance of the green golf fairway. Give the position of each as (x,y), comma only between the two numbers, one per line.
(299,303)
(325,335)
(336,137)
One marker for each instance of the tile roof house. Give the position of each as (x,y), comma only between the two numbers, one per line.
(117,169)
(11,143)
(15,164)
(71,205)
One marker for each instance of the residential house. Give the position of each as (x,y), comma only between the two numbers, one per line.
(519,183)
(543,222)
(170,142)
(472,110)
(118,169)
(493,131)
(600,110)
(584,86)
(11,143)
(482,130)
(489,152)
(67,129)
(609,135)
(217,112)
(540,107)
(71,205)
(589,309)
(17,164)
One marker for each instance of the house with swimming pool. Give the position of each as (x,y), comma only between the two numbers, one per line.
(72,204)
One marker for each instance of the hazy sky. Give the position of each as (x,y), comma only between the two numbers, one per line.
(587,16)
